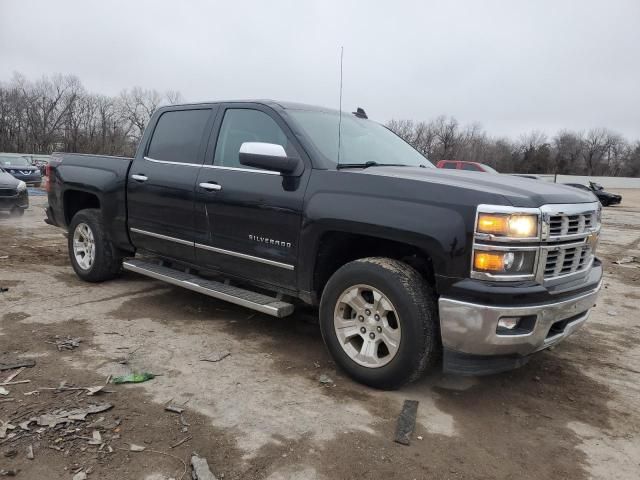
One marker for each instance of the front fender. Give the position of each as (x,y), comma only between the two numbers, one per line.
(438,231)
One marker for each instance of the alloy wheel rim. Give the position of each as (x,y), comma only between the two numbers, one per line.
(84,246)
(367,326)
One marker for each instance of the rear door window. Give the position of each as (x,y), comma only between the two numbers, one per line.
(178,136)
(451,165)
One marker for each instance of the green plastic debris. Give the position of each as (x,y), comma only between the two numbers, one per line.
(134,378)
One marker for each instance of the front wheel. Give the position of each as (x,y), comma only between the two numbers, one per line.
(379,320)
(93,257)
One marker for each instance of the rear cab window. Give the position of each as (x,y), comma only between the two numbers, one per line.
(471,166)
(178,136)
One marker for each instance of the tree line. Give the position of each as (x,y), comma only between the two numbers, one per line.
(598,151)
(58,114)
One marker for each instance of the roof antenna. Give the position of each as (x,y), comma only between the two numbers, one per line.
(360,113)
(340,118)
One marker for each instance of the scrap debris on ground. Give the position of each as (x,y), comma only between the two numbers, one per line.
(201,470)
(406,422)
(216,358)
(12,364)
(134,378)
(66,343)
(626,260)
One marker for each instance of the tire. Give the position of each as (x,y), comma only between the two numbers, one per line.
(107,262)
(415,315)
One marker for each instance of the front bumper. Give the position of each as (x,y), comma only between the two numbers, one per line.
(21,200)
(473,346)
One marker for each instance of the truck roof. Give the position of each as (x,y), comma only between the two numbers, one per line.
(272,103)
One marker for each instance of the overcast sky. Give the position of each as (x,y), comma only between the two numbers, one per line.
(511,65)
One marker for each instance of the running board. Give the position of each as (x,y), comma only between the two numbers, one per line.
(239,296)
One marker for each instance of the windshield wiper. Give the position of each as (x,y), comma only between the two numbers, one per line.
(369,164)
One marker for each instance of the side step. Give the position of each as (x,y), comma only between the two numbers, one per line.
(245,298)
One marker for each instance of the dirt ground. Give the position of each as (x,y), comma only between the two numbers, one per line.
(261,412)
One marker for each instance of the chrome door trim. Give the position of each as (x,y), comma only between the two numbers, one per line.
(162,237)
(245,256)
(215,167)
(167,162)
(236,169)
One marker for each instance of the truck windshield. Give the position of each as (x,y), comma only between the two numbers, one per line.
(362,142)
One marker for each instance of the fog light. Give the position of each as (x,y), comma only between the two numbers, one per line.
(516,325)
(508,323)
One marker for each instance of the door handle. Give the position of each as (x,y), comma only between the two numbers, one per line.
(139,178)
(210,187)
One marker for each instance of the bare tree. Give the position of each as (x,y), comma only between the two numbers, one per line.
(594,145)
(57,113)
(446,131)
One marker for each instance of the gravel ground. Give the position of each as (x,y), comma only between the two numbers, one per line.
(261,412)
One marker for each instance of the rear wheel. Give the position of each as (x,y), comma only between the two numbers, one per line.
(379,320)
(93,257)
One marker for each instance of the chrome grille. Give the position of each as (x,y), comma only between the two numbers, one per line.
(568,243)
(561,225)
(568,259)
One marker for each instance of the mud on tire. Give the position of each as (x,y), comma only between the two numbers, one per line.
(416,317)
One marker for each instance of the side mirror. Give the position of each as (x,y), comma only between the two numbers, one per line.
(268,156)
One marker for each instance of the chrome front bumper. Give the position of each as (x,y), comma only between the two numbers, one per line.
(470,328)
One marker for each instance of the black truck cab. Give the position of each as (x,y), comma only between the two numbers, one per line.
(266,204)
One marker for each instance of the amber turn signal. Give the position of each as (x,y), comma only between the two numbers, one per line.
(488,261)
(496,224)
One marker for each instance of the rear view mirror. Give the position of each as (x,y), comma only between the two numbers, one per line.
(267,156)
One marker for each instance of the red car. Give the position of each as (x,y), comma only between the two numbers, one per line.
(470,166)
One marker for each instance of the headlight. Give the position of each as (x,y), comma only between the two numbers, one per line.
(505,243)
(508,225)
(516,263)
(22,186)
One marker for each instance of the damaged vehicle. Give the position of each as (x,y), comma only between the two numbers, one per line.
(262,204)
(14,197)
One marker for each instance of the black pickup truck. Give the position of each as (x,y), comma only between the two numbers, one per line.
(268,204)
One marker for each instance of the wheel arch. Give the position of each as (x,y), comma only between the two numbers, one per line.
(76,200)
(335,248)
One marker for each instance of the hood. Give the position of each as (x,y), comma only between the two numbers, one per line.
(516,191)
(8,181)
